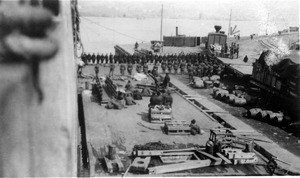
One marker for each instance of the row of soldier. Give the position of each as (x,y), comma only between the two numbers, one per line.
(200,69)
(135,59)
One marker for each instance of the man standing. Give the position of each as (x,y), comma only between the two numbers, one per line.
(175,65)
(163,65)
(168,99)
(182,66)
(122,69)
(129,68)
(145,68)
(237,50)
(166,81)
(111,70)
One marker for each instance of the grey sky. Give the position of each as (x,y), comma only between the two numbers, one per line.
(281,10)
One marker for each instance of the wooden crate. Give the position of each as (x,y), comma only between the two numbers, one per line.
(160,114)
(177,127)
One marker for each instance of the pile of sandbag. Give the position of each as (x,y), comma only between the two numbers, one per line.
(236,97)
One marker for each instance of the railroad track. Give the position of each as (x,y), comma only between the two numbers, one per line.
(269,45)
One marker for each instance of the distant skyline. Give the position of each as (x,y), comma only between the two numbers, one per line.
(244,10)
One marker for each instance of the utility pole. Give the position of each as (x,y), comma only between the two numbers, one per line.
(161,21)
(267,24)
(229,26)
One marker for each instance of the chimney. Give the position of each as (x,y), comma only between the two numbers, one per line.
(176,31)
(218,28)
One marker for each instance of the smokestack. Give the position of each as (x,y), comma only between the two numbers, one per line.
(176,31)
(218,28)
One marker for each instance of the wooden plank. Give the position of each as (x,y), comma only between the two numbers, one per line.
(224,158)
(179,167)
(209,156)
(161,152)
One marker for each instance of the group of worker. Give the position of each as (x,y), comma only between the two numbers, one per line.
(232,49)
(163,98)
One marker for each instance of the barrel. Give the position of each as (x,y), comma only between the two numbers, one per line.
(215,89)
(112,151)
(220,94)
(209,147)
(214,78)
(216,83)
(262,114)
(198,84)
(253,112)
(224,97)
(283,121)
(239,101)
(230,98)
(205,78)
(208,83)
(273,118)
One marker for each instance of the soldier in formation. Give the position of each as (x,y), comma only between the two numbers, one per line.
(195,64)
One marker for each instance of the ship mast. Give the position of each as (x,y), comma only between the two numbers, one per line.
(267,24)
(161,21)
(229,26)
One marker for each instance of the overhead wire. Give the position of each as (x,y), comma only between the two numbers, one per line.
(107,28)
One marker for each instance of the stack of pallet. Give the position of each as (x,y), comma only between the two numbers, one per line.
(160,114)
(111,88)
(177,127)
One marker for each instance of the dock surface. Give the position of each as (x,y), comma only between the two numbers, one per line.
(130,126)
(272,147)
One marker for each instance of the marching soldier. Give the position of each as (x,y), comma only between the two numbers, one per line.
(138,68)
(175,66)
(129,68)
(116,59)
(111,70)
(111,58)
(199,71)
(89,58)
(145,68)
(182,67)
(163,65)
(102,58)
(170,64)
(98,58)
(155,70)
(190,72)
(93,57)
(83,58)
(106,59)
(122,69)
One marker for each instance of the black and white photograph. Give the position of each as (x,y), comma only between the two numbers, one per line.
(149,88)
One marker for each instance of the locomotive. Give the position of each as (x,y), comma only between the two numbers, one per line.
(215,40)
